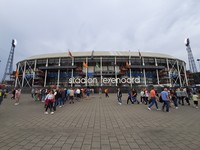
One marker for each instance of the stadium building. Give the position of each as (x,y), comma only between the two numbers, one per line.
(101,69)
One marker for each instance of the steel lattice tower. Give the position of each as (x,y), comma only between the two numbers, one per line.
(9,65)
(192,64)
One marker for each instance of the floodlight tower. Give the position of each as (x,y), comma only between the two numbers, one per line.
(192,64)
(9,65)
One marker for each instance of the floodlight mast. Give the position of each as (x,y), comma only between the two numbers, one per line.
(187,42)
(192,64)
(14,43)
(9,65)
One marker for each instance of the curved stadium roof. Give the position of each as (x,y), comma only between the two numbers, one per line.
(101,53)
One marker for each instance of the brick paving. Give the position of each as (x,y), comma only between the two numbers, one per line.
(95,124)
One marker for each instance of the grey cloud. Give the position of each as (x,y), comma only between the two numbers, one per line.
(54,26)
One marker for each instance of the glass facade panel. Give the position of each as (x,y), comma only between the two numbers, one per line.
(65,62)
(41,63)
(149,61)
(53,61)
(151,77)
(52,77)
(136,61)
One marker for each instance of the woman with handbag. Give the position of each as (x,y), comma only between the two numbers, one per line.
(49,100)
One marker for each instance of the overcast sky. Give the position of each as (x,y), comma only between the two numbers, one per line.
(50,26)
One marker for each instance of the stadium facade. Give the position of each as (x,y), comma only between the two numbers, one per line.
(101,69)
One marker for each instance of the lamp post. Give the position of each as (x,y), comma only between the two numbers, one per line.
(199,64)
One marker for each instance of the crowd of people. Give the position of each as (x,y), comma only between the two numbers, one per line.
(53,98)
(168,97)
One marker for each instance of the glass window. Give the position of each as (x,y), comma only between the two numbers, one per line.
(66,62)
(149,61)
(136,61)
(53,62)
(41,63)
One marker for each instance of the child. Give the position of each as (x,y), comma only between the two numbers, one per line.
(195,99)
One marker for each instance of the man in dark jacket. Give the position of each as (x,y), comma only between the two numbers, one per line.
(129,97)
(134,96)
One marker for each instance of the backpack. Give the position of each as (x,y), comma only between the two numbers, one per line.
(160,99)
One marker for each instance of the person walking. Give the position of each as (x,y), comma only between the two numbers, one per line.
(186,96)
(119,96)
(13,93)
(183,94)
(174,98)
(71,96)
(178,94)
(134,96)
(33,93)
(106,92)
(17,96)
(56,102)
(165,98)
(142,96)
(88,92)
(49,100)
(153,99)
(129,97)
(195,98)
(100,92)
(43,95)
(60,99)
(1,95)
(146,96)
(78,94)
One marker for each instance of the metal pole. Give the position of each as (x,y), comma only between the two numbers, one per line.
(58,80)
(130,68)
(170,81)
(158,80)
(24,72)
(34,73)
(17,76)
(115,72)
(72,74)
(45,78)
(144,73)
(179,74)
(86,70)
(186,80)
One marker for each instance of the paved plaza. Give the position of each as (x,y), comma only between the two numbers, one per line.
(94,124)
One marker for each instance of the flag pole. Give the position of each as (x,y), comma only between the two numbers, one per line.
(86,70)
(142,64)
(140,61)
(115,72)
(130,67)
(16,76)
(72,73)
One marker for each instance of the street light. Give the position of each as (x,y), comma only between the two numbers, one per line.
(199,64)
